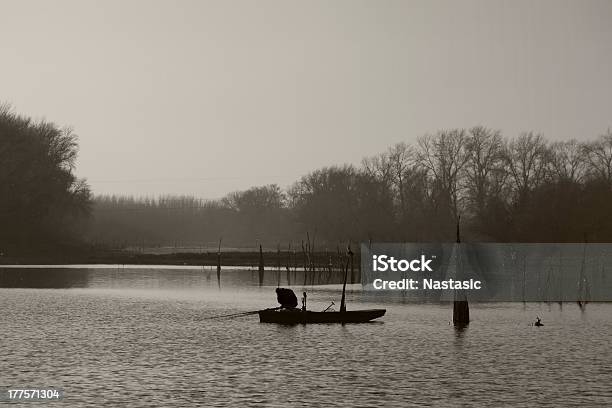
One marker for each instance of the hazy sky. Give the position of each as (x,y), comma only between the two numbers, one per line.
(206,97)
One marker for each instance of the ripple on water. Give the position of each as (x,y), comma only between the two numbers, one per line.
(136,346)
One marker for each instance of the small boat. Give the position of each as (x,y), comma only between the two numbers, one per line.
(298,316)
(288,312)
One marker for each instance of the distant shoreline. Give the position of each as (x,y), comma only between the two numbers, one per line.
(272,259)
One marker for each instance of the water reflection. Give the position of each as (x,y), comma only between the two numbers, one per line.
(460,330)
(43,278)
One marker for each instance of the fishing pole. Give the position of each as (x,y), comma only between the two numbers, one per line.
(236,314)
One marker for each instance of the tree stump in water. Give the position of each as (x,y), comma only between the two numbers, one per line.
(461,313)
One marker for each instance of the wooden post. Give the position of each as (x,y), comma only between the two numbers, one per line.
(340,268)
(330,266)
(278,265)
(582,298)
(261,266)
(288,266)
(343,299)
(305,262)
(219,264)
(295,263)
(350,252)
(461,309)
(311,259)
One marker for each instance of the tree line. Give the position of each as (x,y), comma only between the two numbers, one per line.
(520,189)
(42,202)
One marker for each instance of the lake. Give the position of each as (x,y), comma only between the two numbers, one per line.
(140,336)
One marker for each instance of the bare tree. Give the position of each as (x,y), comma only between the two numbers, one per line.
(444,156)
(527,159)
(599,157)
(380,168)
(484,172)
(567,161)
(403,160)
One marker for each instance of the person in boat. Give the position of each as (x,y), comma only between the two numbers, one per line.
(286,298)
(538,321)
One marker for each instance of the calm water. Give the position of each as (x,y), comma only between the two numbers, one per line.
(139,337)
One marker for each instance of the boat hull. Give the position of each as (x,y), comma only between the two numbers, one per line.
(299,317)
